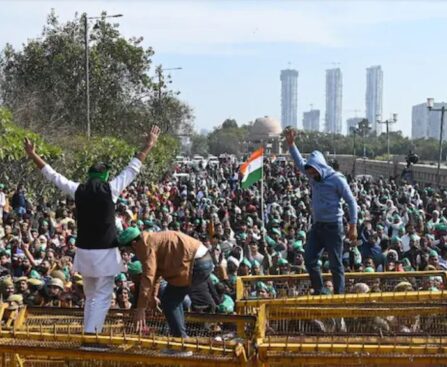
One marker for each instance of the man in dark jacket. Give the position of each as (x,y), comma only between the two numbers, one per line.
(97,256)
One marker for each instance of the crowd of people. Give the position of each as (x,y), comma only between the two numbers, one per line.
(401,228)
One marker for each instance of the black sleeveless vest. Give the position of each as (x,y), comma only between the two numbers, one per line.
(95,214)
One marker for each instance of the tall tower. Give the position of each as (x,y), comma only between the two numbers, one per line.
(289,98)
(311,120)
(425,123)
(334,94)
(374,96)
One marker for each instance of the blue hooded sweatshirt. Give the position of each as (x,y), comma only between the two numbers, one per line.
(326,194)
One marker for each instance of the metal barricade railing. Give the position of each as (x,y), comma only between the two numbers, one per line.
(352,335)
(296,285)
(250,307)
(50,336)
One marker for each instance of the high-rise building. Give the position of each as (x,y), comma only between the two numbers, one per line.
(374,95)
(311,120)
(334,86)
(419,121)
(289,98)
(353,122)
(426,123)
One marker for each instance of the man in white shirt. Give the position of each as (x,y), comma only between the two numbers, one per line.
(97,256)
(407,237)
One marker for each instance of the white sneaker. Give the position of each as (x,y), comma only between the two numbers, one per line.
(341,325)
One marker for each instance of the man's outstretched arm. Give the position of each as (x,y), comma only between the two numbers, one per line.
(65,185)
(290,135)
(120,182)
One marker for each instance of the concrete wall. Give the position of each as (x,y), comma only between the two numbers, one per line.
(421,173)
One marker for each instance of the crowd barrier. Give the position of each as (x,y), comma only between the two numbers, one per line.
(406,324)
(53,337)
(383,334)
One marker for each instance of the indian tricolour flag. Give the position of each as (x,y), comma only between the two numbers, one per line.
(252,169)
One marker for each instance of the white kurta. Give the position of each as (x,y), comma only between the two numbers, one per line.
(104,262)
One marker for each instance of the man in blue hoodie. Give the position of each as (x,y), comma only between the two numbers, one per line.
(328,188)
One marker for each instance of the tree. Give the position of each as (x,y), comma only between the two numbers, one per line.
(229,138)
(44,84)
(229,124)
(15,167)
(199,145)
(78,155)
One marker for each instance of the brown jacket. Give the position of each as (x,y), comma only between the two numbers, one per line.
(167,254)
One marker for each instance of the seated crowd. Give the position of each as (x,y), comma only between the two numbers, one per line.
(402,228)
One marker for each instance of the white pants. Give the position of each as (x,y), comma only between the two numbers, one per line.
(98,296)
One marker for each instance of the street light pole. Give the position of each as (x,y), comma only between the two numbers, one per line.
(388,122)
(354,132)
(159,72)
(87,75)
(87,67)
(364,128)
(430,106)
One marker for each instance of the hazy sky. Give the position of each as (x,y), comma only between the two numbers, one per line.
(232,52)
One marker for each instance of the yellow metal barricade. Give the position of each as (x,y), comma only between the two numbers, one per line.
(296,285)
(53,337)
(382,287)
(358,335)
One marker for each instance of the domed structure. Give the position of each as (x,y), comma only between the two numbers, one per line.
(266,132)
(265,128)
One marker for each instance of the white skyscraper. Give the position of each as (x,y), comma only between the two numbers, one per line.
(425,123)
(334,86)
(374,96)
(311,120)
(289,98)
(419,121)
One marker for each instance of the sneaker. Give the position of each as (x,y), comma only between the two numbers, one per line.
(341,325)
(94,347)
(176,353)
(319,325)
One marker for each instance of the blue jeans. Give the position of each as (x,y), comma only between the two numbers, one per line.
(325,236)
(172,297)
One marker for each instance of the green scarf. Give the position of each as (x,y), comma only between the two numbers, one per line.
(103,176)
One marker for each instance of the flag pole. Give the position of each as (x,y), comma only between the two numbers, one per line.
(262,193)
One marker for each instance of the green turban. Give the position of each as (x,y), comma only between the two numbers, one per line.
(148,223)
(215,280)
(227,305)
(128,235)
(270,241)
(246,262)
(301,234)
(99,171)
(121,277)
(433,253)
(298,246)
(135,268)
